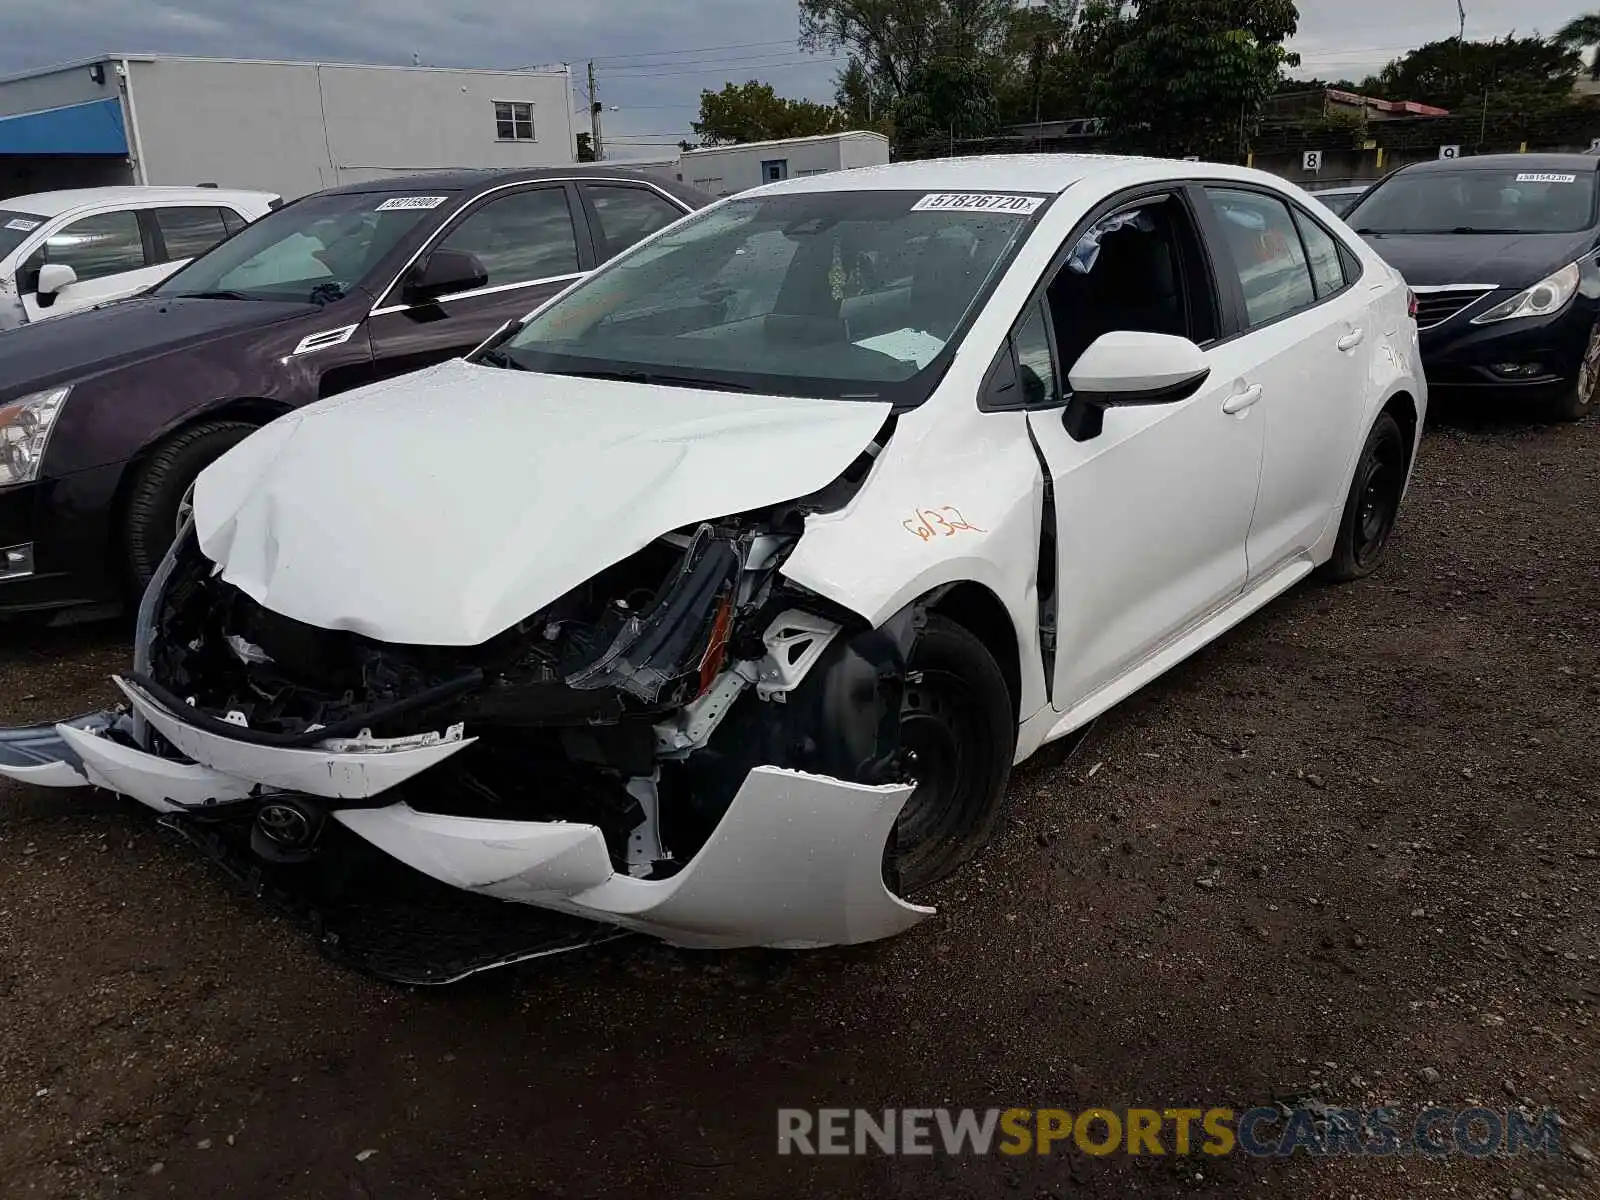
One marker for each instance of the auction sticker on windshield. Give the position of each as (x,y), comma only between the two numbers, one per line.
(395,202)
(23,226)
(977,202)
(1545,177)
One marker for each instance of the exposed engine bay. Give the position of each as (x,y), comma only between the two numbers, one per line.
(637,703)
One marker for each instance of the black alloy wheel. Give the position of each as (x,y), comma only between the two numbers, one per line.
(1373,503)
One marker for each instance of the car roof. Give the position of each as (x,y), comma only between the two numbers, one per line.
(1501,162)
(1342,190)
(53,204)
(1049,173)
(474,180)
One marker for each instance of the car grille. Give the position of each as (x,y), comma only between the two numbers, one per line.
(1435,308)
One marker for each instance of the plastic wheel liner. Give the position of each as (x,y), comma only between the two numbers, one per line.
(684,748)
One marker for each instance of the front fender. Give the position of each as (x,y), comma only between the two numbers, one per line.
(946,505)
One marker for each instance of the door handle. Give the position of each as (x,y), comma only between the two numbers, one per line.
(1352,339)
(1240,401)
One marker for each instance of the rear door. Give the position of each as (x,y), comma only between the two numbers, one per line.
(622,213)
(531,241)
(1305,324)
(110,253)
(181,232)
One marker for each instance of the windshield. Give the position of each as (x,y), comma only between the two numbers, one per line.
(311,252)
(1478,201)
(15,228)
(832,294)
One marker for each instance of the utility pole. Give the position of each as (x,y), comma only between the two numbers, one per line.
(594,117)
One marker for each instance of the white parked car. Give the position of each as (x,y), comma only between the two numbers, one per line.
(65,251)
(717,599)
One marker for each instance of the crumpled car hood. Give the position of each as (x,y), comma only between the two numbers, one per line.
(443,507)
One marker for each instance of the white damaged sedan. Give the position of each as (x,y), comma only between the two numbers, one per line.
(717,599)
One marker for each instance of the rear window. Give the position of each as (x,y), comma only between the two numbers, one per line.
(190,231)
(1479,200)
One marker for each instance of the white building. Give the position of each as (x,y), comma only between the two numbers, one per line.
(724,170)
(286,127)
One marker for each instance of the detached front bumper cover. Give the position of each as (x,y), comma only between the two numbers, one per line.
(796,862)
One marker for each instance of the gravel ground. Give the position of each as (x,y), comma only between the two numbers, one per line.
(1349,853)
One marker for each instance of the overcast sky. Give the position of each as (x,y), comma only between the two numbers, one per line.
(651,66)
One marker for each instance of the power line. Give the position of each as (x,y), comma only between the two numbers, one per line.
(726,68)
(696,50)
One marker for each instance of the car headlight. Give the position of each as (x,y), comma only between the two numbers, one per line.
(25,425)
(1547,296)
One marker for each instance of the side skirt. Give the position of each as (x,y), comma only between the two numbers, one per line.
(1049,725)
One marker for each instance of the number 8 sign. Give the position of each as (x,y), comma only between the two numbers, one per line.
(1311,160)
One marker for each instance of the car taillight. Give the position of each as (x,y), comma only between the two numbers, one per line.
(1411,304)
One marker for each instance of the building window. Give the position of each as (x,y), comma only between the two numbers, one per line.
(513,121)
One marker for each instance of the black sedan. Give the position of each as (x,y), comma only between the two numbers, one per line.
(107,416)
(1501,253)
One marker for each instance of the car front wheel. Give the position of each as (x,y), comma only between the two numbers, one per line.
(958,735)
(160,490)
(1575,400)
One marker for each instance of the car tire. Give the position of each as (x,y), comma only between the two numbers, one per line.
(1372,505)
(958,735)
(1576,400)
(157,492)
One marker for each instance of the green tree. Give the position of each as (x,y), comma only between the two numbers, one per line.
(1579,34)
(753,112)
(865,101)
(585,148)
(945,99)
(1190,76)
(894,40)
(1519,74)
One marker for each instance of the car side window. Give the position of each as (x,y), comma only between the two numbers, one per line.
(1266,251)
(1139,268)
(94,247)
(1035,366)
(627,214)
(232,221)
(520,237)
(190,231)
(1327,272)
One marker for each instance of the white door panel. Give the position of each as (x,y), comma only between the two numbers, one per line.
(79,296)
(1311,406)
(1152,517)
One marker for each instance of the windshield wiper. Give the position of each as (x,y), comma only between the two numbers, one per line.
(653,377)
(211,296)
(499,358)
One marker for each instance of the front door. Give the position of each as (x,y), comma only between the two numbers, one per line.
(1151,514)
(109,253)
(528,241)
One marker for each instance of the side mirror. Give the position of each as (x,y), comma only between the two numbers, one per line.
(52,278)
(1127,367)
(442,273)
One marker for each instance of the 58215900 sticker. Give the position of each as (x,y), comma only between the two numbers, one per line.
(995,202)
(395,202)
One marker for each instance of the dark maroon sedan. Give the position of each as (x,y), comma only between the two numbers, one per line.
(107,416)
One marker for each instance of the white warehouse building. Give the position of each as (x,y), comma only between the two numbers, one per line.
(285,127)
(724,170)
